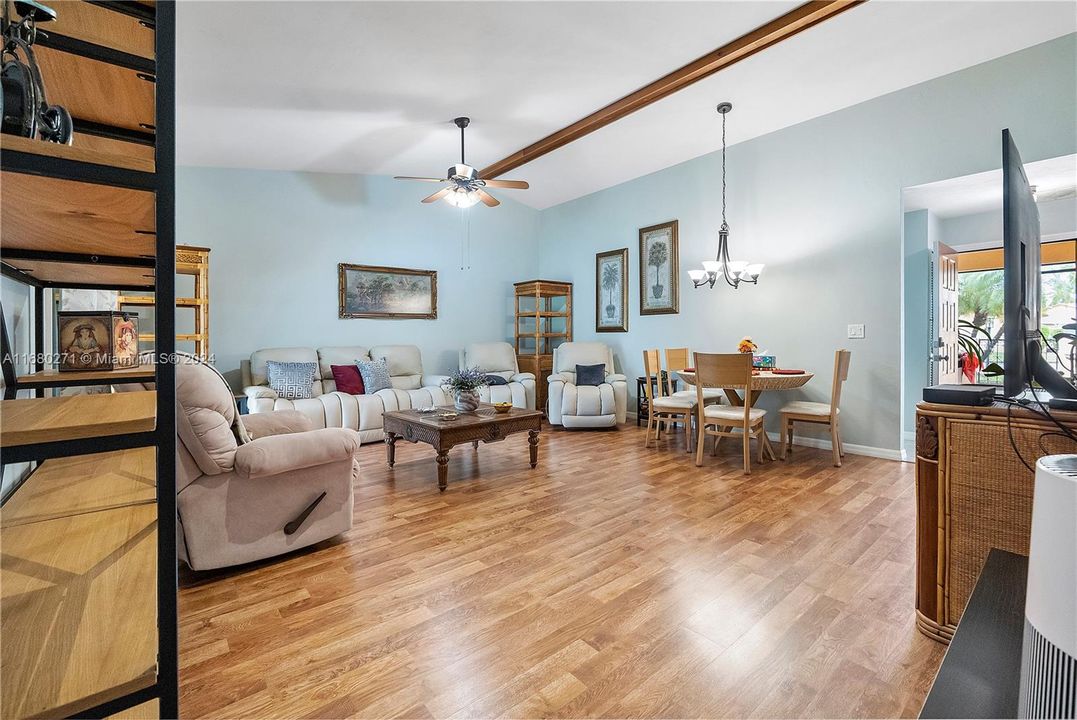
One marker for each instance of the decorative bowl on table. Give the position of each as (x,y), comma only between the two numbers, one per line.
(502,407)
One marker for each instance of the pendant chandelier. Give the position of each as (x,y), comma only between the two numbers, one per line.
(734,272)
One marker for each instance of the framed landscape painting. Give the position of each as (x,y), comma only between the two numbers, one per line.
(369,291)
(659,286)
(611,291)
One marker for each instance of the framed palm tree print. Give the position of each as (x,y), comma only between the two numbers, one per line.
(611,291)
(659,285)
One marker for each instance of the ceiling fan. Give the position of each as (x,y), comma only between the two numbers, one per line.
(465,187)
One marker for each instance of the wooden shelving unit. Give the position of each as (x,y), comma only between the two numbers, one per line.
(543,321)
(192,261)
(77,632)
(51,377)
(88,580)
(84,483)
(34,421)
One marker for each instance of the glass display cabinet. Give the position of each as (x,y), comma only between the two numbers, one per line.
(543,321)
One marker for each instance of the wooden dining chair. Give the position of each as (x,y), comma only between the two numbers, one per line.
(678,359)
(819,413)
(661,407)
(728,371)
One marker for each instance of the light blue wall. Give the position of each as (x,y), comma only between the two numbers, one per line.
(820,204)
(276,239)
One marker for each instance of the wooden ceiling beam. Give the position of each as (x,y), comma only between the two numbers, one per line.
(786,26)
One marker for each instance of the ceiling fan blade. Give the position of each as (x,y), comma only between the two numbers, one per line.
(488,199)
(437,196)
(420,179)
(512,184)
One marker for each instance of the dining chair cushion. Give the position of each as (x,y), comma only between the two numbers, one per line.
(708,393)
(593,375)
(674,403)
(803,407)
(730,412)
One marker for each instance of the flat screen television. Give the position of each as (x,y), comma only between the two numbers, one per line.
(1023,360)
(1021,262)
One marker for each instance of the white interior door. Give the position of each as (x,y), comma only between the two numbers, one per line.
(947,347)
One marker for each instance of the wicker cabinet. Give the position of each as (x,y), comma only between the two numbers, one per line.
(973,493)
(543,321)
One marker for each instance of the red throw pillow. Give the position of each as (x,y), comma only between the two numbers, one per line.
(348,379)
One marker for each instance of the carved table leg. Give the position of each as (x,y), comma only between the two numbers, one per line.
(443,469)
(533,442)
(390,448)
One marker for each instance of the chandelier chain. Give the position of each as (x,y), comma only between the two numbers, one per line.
(723,170)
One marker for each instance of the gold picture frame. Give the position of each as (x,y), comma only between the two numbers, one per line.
(664,296)
(379,292)
(611,285)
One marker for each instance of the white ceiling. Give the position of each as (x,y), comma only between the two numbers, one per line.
(372,87)
(1054,179)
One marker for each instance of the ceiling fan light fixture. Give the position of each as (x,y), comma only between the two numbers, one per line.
(462,198)
(463,186)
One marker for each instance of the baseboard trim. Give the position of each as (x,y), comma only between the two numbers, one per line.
(850,448)
(824,444)
(908,446)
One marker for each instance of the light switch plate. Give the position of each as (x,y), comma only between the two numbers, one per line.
(856,331)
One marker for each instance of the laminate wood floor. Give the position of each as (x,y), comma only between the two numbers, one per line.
(612,581)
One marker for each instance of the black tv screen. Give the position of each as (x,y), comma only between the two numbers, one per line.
(1021,260)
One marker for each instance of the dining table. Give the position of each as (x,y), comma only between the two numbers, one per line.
(762,381)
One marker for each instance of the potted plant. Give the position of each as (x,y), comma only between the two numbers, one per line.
(464,386)
(657,257)
(609,284)
(973,356)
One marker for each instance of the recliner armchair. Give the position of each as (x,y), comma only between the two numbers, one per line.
(240,482)
(585,406)
(498,358)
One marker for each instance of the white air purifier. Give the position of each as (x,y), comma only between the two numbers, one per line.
(1049,654)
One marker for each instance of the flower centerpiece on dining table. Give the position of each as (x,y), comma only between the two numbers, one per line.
(464,386)
(746,345)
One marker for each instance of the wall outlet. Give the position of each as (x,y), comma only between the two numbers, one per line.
(856,331)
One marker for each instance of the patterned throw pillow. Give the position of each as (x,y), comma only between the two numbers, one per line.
(292,380)
(348,379)
(375,375)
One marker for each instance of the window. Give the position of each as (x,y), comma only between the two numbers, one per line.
(981,300)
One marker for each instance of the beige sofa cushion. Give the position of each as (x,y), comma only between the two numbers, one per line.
(493,357)
(292,354)
(405,364)
(341,355)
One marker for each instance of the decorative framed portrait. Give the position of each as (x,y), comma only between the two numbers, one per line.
(371,291)
(611,291)
(659,284)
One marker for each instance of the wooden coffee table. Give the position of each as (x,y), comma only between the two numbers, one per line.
(484,424)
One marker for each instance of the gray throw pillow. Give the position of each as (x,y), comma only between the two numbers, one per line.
(375,375)
(591,374)
(292,380)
